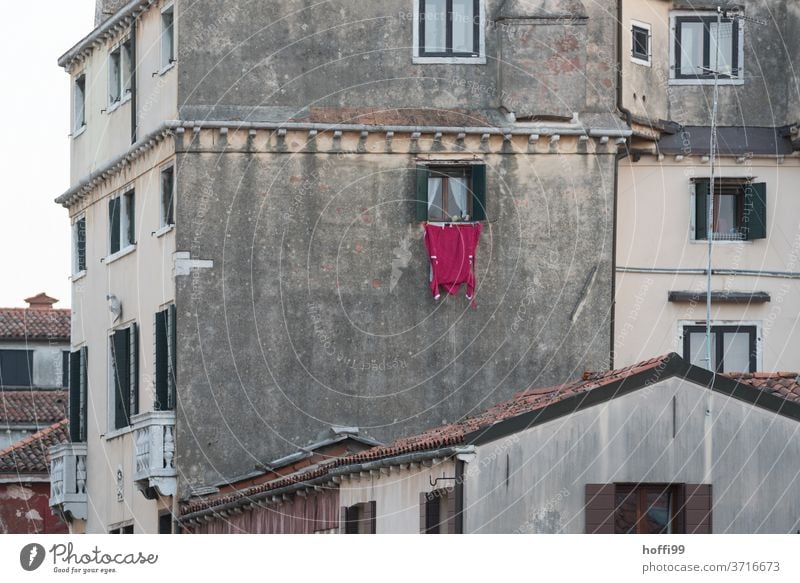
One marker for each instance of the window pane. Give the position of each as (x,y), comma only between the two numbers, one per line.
(80,101)
(737,352)
(167,38)
(435,206)
(625,514)
(166,197)
(463,26)
(640,38)
(691,48)
(127,67)
(656,515)
(16,368)
(697,349)
(457,187)
(725,38)
(435,26)
(725,217)
(114,77)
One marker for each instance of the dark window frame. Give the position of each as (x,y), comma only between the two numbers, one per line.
(124,352)
(639,492)
(439,512)
(165,343)
(20,375)
(79,234)
(706,21)
(750,211)
(639,56)
(167,203)
(360,518)
(719,331)
(476,189)
(78,394)
(449,52)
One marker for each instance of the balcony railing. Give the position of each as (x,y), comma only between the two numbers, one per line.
(68,481)
(154,439)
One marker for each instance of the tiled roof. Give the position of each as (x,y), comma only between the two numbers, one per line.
(33,324)
(405,116)
(38,407)
(29,455)
(781,384)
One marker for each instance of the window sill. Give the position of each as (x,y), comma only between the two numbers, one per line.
(118,103)
(78,276)
(164,70)
(448,60)
(79,132)
(643,62)
(163,230)
(118,433)
(721,242)
(674,81)
(119,254)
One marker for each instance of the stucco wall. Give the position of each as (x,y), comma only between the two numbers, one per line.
(749,455)
(24,508)
(317,310)
(47,361)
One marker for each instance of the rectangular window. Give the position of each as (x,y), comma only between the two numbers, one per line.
(451,193)
(740,210)
(128,62)
(79,103)
(65,368)
(166,359)
(167,196)
(360,518)
(702,46)
(734,348)
(79,246)
(16,368)
(167,37)
(640,43)
(127,529)
(114,77)
(125,375)
(438,512)
(78,394)
(122,221)
(165,524)
(448,29)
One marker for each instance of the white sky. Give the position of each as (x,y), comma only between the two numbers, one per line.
(34,155)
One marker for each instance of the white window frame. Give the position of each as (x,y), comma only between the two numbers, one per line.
(125,75)
(693,214)
(420,60)
(125,245)
(164,225)
(758,324)
(78,273)
(77,130)
(648,28)
(164,67)
(673,16)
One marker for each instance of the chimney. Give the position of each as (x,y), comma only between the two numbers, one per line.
(40,302)
(105,9)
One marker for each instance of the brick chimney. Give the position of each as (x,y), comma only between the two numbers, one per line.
(40,302)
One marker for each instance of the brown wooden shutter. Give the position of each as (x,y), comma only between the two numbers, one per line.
(599,508)
(343,519)
(451,511)
(423,512)
(369,518)
(697,508)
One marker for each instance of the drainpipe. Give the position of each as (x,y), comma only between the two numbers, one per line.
(619,156)
(134,71)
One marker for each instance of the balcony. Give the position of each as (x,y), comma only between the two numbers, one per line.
(68,481)
(154,439)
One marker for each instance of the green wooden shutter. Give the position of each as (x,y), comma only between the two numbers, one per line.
(120,355)
(422,192)
(75,396)
(701,188)
(130,211)
(755,211)
(81,243)
(162,356)
(84,391)
(479,192)
(133,369)
(114,223)
(172,379)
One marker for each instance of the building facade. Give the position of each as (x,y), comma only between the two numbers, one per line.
(667,65)
(249,267)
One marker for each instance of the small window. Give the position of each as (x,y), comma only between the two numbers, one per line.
(78,394)
(16,368)
(127,529)
(740,210)
(128,64)
(167,196)
(65,368)
(167,37)
(165,524)
(360,518)
(166,359)
(79,102)
(125,375)
(448,29)
(122,221)
(437,512)
(114,76)
(640,43)
(648,509)
(734,348)
(451,193)
(79,246)
(702,46)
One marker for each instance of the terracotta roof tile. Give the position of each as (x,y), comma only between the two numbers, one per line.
(34,324)
(781,384)
(38,407)
(29,455)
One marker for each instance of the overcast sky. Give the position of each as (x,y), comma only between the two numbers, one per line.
(34,165)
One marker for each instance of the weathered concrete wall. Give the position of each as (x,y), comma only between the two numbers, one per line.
(749,455)
(47,361)
(359,54)
(317,310)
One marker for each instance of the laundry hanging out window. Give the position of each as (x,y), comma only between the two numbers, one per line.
(451,193)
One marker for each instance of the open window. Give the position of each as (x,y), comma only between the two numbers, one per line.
(740,209)
(360,518)
(451,192)
(702,46)
(125,375)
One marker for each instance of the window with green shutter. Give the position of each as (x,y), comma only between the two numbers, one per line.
(740,209)
(125,367)
(78,394)
(450,192)
(166,361)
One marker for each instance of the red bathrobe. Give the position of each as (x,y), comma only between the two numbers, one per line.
(451,249)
